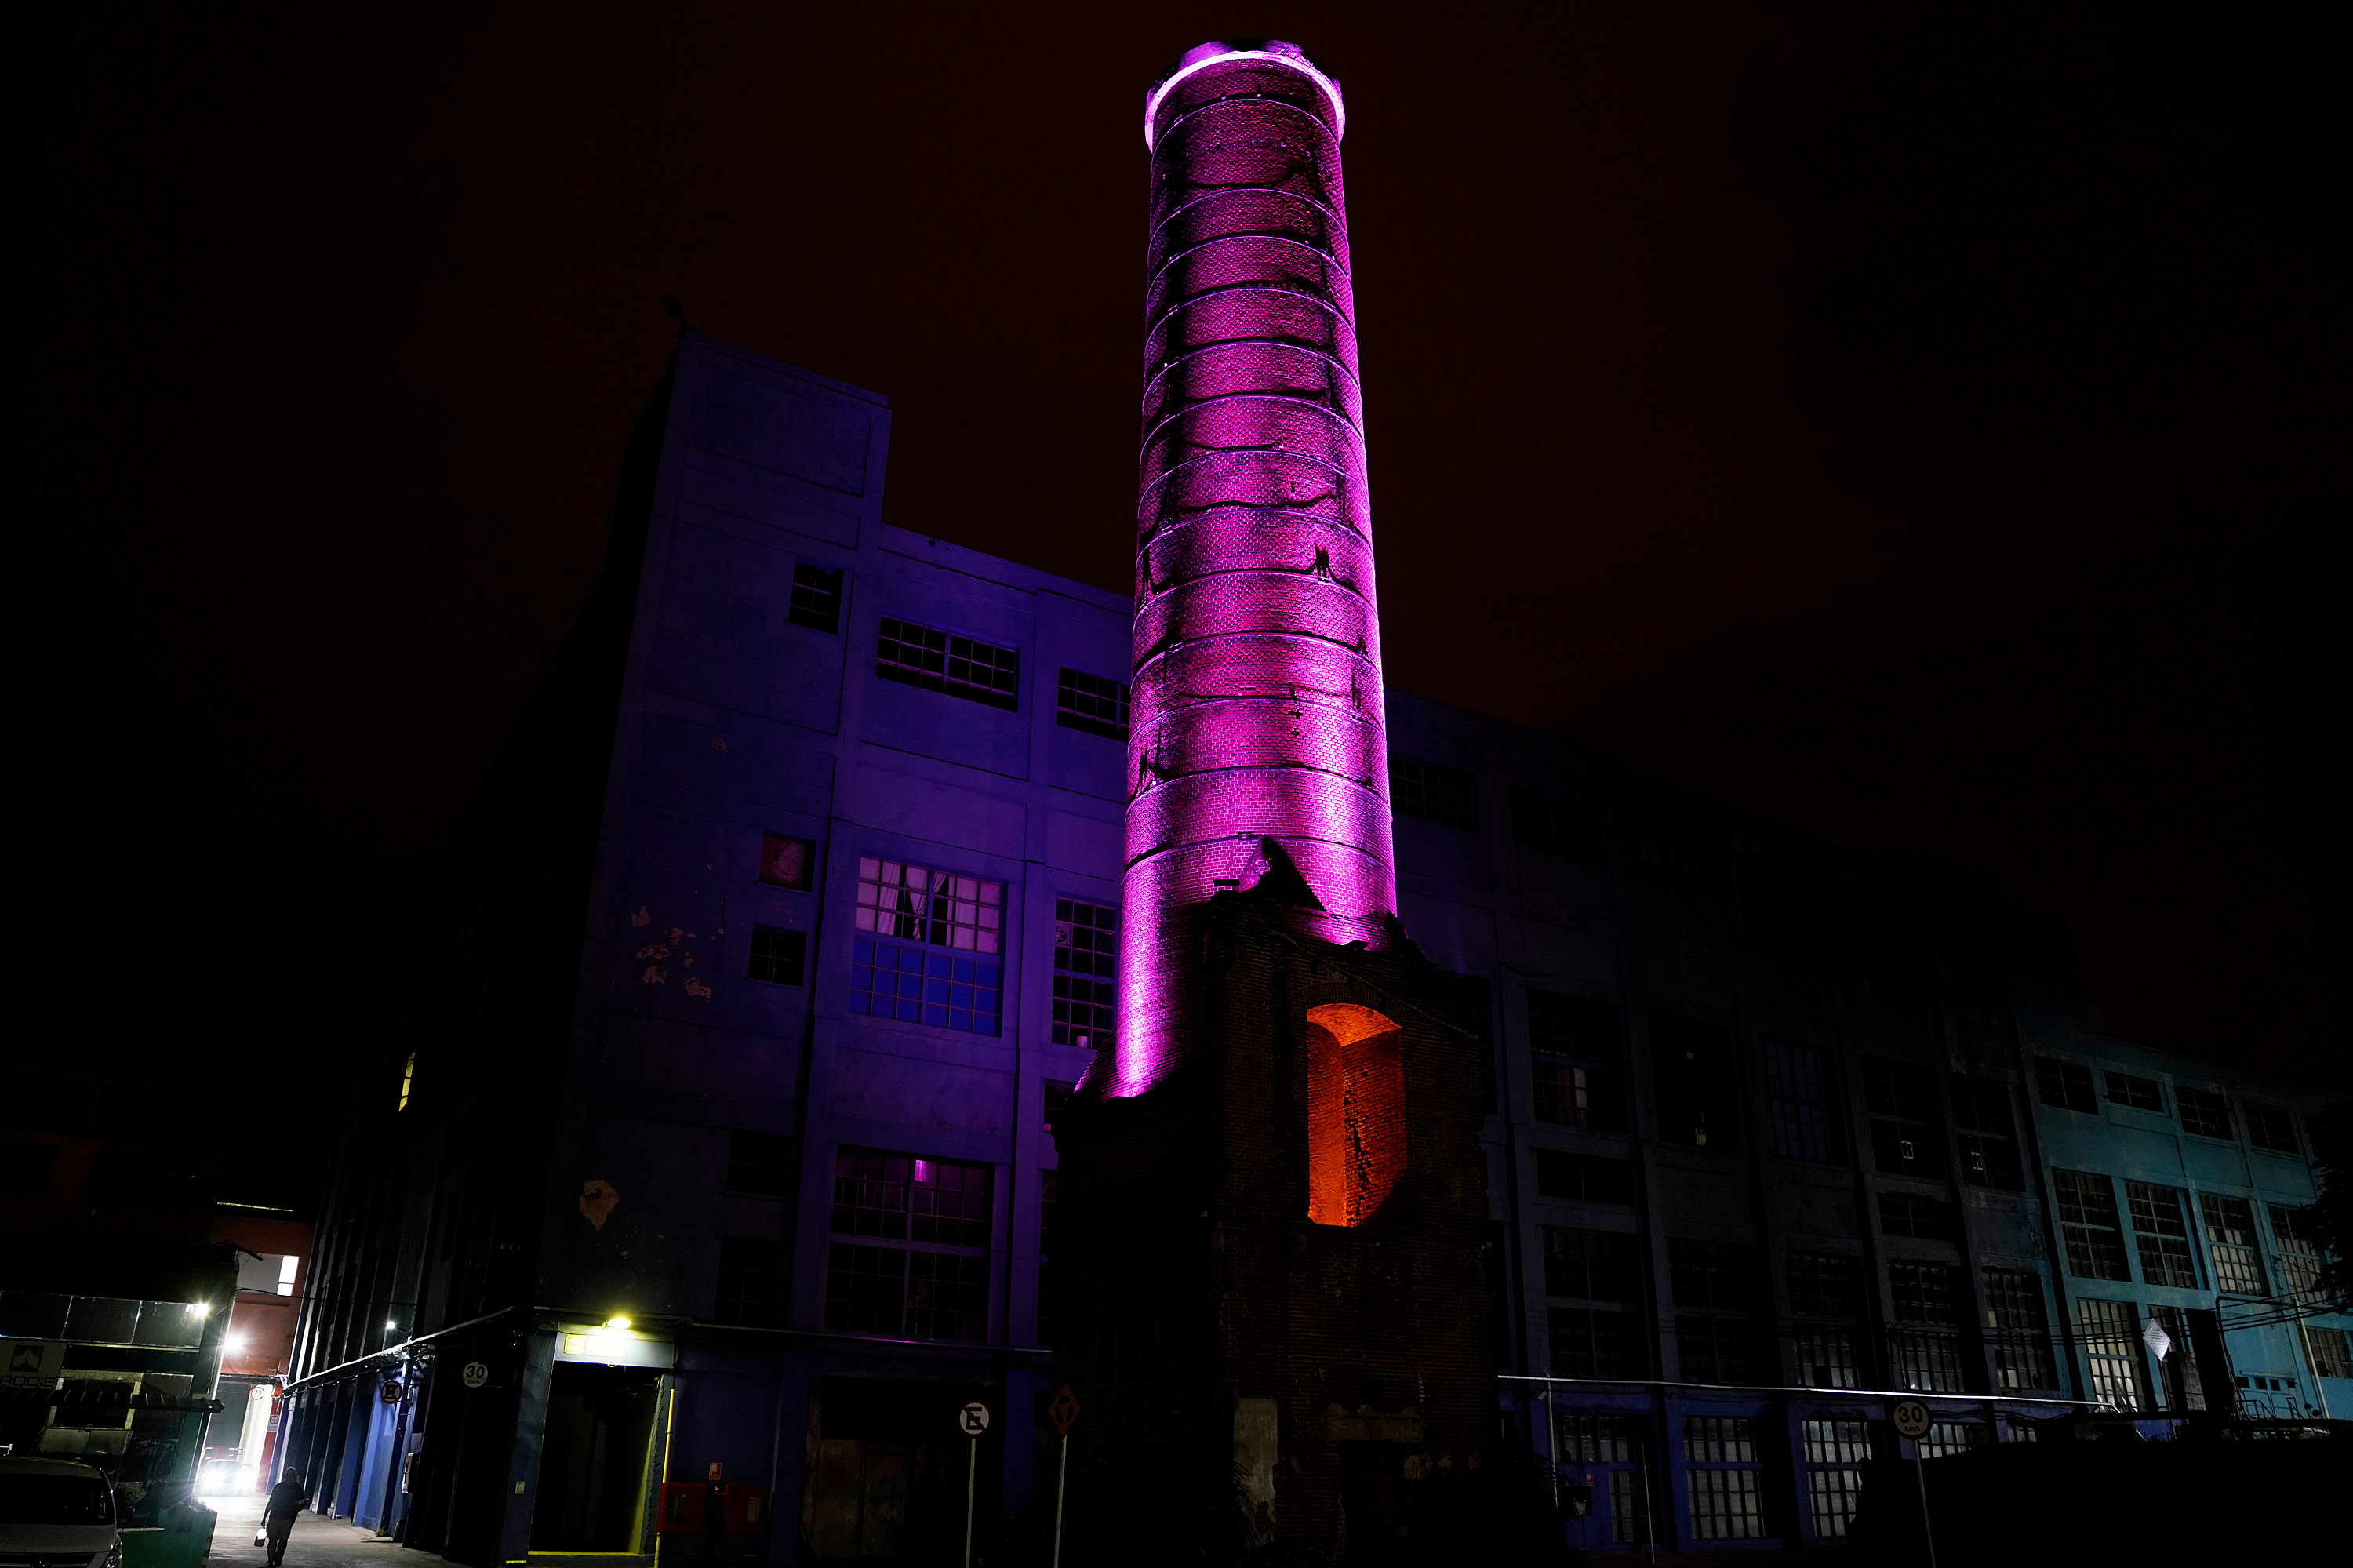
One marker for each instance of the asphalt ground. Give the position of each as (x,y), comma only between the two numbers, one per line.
(317,1541)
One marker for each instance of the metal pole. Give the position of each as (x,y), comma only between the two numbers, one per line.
(1060,1476)
(971,1480)
(1919,1474)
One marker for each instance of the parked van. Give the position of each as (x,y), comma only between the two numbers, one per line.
(57,1513)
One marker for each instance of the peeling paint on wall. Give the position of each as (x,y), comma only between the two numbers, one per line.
(598,1202)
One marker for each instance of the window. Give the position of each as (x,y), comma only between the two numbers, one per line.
(1726,1478)
(1593,1265)
(1434,793)
(2296,1235)
(787,861)
(2273,1128)
(751,1282)
(1928,1307)
(945,990)
(1699,1085)
(2018,1331)
(1057,1095)
(1617,1446)
(1086,955)
(2112,1354)
(1801,1103)
(816,597)
(2087,1220)
(2139,1093)
(1826,1304)
(2184,1387)
(1586,1092)
(1049,1291)
(1573,1026)
(1924,1218)
(1596,1332)
(2065,1085)
(2204,1112)
(2230,1240)
(1835,1452)
(1946,1438)
(1585,1178)
(1471,1007)
(943,662)
(937,908)
(1556,826)
(1090,702)
(2161,1231)
(1671,856)
(764,1164)
(2331,1355)
(910,1255)
(1903,1138)
(1715,1289)
(1985,1132)
(778,957)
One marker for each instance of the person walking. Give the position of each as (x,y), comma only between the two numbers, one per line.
(278,1514)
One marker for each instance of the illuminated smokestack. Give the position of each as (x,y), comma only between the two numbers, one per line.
(1258,731)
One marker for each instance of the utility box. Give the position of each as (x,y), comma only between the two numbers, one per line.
(746,1509)
(682,1507)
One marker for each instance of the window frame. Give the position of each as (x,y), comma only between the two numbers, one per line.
(780,951)
(1434,792)
(1075,706)
(973,654)
(825,599)
(897,1227)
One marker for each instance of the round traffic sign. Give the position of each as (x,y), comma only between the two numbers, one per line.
(973,1419)
(475,1374)
(1911,1418)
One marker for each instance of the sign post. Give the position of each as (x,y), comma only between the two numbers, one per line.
(1063,1411)
(972,1420)
(1911,1418)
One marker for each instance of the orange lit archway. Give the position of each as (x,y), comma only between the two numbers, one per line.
(1355,1112)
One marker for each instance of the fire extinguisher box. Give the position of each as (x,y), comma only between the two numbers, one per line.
(681,1508)
(747,1509)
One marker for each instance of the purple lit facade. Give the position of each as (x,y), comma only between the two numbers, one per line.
(1257,729)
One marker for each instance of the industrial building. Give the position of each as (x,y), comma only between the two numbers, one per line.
(1762,1115)
(883,980)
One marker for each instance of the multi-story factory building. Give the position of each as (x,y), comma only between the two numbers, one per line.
(708,1131)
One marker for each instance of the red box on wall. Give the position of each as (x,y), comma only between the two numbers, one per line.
(681,1508)
(747,1509)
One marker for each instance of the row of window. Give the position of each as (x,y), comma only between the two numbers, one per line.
(1450,796)
(908,1255)
(2205,1113)
(1730,1461)
(2091,1229)
(1726,1330)
(928,948)
(949,661)
(1576,1047)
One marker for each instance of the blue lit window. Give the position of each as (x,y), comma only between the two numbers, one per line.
(913,985)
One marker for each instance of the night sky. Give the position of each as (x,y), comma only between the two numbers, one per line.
(1925,429)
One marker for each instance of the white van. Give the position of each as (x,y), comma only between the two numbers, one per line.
(56,1513)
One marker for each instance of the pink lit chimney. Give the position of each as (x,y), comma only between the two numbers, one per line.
(1258,756)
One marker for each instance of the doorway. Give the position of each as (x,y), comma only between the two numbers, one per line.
(592,1463)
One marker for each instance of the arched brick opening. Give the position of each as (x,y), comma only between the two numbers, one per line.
(1355,1112)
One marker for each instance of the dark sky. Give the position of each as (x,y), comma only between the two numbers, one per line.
(1921,427)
